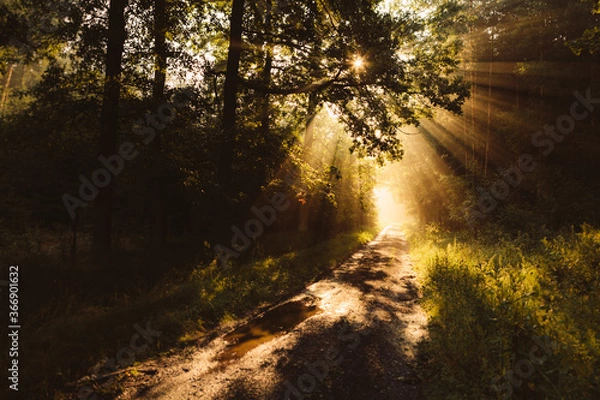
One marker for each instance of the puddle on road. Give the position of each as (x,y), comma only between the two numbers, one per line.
(270,325)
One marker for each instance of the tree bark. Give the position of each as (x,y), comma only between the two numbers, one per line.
(226,150)
(305,209)
(6,86)
(109,124)
(488,136)
(266,74)
(473,108)
(158,233)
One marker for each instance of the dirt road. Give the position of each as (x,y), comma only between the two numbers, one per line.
(351,335)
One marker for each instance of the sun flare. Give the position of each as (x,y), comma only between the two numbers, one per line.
(358,64)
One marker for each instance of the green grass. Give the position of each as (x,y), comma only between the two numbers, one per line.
(75,332)
(491,299)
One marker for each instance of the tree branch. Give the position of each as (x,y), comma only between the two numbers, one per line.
(308,88)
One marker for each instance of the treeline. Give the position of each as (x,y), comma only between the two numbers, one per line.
(132,124)
(524,152)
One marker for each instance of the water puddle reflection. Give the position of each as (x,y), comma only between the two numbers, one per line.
(270,325)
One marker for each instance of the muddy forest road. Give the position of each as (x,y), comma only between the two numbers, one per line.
(351,335)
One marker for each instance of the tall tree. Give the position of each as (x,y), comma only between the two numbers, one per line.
(158,234)
(109,122)
(226,150)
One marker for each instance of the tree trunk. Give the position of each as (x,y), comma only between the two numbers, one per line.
(592,84)
(109,124)
(517,92)
(158,234)
(6,87)
(305,209)
(324,213)
(310,200)
(473,95)
(489,113)
(473,125)
(266,75)
(226,149)
(74,226)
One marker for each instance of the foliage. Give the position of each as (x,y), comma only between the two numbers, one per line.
(590,40)
(492,299)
